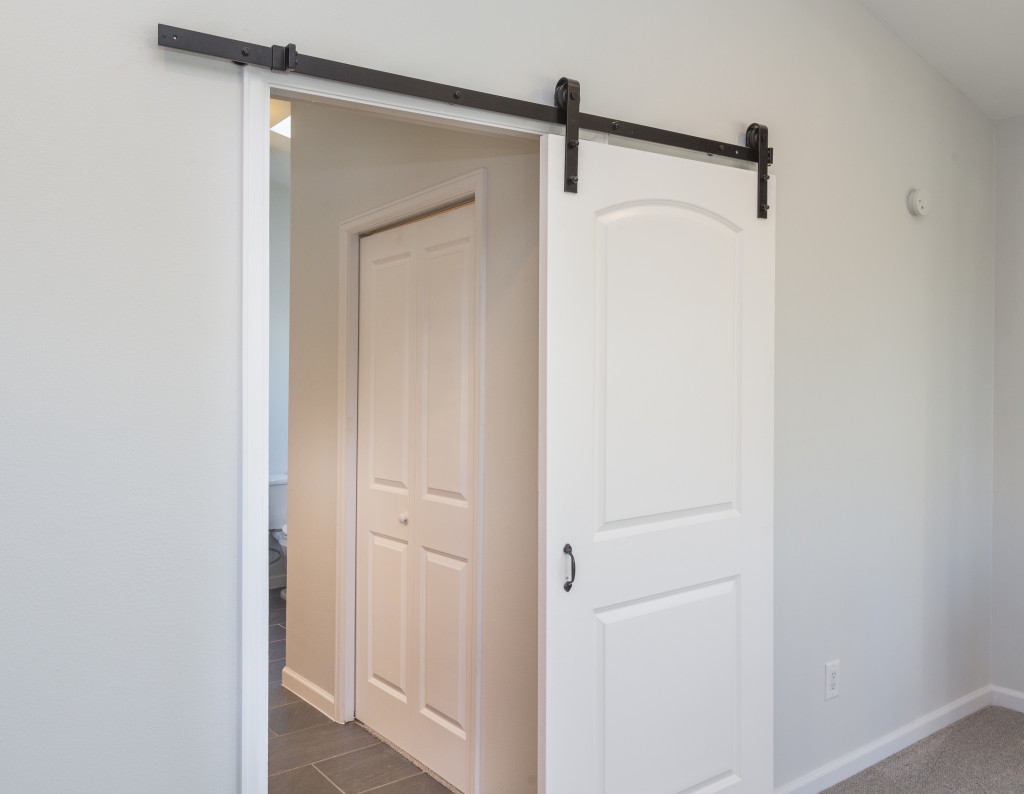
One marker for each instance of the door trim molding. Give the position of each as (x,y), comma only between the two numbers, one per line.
(471,186)
(258,85)
(254,452)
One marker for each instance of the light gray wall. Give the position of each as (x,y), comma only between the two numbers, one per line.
(344,164)
(1007,582)
(119,315)
(280,247)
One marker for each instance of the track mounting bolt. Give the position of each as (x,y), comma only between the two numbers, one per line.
(573,144)
(766,177)
(765,207)
(615,125)
(457,95)
(574,179)
(246,51)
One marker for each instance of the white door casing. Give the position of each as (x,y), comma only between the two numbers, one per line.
(417,490)
(657,307)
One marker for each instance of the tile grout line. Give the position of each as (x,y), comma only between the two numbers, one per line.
(307,728)
(303,702)
(279,734)
(407,756)
(319,760)
(417,773)
(289,703)
(314,765)
(392,782)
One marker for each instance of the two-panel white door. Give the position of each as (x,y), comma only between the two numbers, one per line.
(657,354)
(416,493)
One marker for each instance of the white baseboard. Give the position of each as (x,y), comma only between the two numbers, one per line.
(1007,698)
(308,691)
(870,754)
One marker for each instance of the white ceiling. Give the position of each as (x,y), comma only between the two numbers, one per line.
(976,44)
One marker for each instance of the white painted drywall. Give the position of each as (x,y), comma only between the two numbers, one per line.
(976,45)
(119,315)
(1008,540)
(344,164)
(280,231)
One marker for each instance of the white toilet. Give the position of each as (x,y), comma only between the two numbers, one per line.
(281,536)
(277,522)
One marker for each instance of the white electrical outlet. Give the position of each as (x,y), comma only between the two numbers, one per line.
(832,679)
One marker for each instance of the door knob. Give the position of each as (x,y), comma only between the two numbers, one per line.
(403,519)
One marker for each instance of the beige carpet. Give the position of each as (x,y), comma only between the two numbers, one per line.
(980,754)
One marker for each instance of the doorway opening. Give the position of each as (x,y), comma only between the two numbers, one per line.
(412,577)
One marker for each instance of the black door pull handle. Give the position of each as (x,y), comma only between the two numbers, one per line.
(572,577)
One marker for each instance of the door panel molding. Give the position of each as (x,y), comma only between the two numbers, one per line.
(657,323)
(437,481)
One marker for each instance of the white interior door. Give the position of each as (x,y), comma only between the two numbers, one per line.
(656,342)
(416,493)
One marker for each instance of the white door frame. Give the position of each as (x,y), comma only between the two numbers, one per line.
(258,86)
(470,187)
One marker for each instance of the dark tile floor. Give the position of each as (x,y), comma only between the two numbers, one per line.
(310,754)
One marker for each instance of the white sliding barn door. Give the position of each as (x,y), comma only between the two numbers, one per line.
(416,494)
(657,332)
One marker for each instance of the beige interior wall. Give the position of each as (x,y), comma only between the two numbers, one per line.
(344,164)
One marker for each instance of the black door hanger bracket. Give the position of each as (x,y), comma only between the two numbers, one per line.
(565,111)
(567,97)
